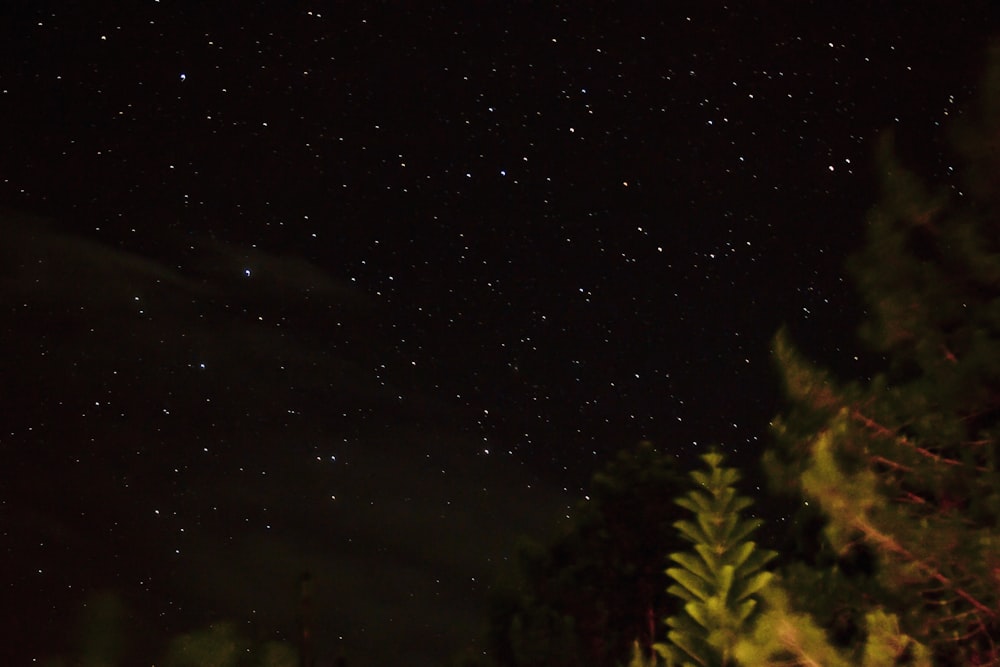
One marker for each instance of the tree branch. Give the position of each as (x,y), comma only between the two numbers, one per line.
(889,544)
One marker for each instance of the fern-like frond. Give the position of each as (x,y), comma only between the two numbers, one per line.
(719,578)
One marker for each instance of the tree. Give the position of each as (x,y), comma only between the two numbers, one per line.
(718,580)
(903,467)
(585,598)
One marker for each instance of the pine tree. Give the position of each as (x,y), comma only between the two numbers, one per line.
(904,467)
(718,580)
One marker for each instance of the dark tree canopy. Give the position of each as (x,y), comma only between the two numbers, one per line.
(585,598)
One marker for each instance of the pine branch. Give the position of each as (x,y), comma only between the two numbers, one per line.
(890,463)
(912,499)
(903,440)
(888,543)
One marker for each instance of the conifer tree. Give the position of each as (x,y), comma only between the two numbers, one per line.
(904,466)
(718,580)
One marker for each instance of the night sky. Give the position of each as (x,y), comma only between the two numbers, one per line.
(367,291)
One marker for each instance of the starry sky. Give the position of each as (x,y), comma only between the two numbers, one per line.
(369,289)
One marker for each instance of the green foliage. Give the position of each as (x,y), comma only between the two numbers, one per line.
(903,467)
(719,580)
(782,636)
(888,646)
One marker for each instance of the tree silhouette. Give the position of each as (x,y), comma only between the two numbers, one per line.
(599,587)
